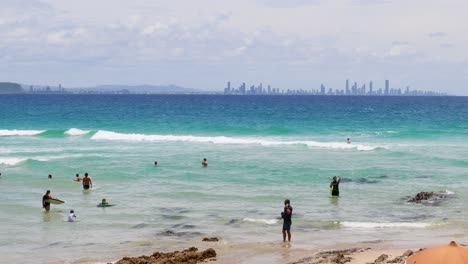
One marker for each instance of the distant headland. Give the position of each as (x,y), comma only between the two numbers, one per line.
(16,88)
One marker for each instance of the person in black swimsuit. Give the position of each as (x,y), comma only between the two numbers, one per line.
(335,186)
(286,215)
(45,204)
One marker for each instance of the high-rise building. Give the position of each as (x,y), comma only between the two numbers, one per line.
(370,88)
(322,89)
(347,87)
(387,87)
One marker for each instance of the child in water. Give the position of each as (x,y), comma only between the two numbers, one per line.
(72,216)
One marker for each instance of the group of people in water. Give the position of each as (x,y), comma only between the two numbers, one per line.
(87,184)
(286,215)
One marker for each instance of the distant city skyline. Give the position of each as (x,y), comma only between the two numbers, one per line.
(200,44)
(354,90)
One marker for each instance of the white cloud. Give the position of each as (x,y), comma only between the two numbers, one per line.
(292,43)
(148,30)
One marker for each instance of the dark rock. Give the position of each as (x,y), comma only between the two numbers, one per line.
(210,239)
(188,256)
(429,197)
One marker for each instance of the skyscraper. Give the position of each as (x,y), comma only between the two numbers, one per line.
(347,87)
(370,88)
(387,87)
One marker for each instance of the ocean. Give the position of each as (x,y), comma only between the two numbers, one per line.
(261,151)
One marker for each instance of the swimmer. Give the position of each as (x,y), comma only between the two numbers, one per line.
(87,182)
(348,141)
(334,185)
(72,216)
(155,163)
(104,202)
(205,162)
(50,176)
(77,178)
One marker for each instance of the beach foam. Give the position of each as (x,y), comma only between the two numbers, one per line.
(76,132)
(109,135)
(384,225)
(264,221)
(7,132)
(11,161)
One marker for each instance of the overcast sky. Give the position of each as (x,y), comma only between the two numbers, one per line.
(204,43)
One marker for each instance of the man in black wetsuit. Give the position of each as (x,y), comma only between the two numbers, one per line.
(334,185)
(286,215)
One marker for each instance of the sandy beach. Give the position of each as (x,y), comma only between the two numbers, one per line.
(360,253)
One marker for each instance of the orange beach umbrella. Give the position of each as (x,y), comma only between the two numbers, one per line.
(445,254)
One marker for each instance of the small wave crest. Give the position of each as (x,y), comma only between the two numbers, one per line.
(384,225)
(76,132)
(11,161)
(264,221)
(109,135)
(7,132)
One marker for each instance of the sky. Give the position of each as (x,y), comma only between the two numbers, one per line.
(293,44)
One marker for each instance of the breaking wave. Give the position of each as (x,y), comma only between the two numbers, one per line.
(11,161)
(109,135)
(7,132)
(76,132)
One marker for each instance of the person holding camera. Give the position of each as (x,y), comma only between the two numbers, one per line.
(286,215)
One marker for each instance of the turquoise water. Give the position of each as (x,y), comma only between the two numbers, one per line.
(261,150)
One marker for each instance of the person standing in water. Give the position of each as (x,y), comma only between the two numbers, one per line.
(87,182)
(46,205)
(155,163)
(205,162)
(348,141)
(286,215)
(334,186)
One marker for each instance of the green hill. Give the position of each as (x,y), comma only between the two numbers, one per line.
(10,88)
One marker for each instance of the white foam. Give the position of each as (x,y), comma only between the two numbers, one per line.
(11,161)
(6,132)
(76,132)
(109,135)
(264,221)
(384,225)
(65,156)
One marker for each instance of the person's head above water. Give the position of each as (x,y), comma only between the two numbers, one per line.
(77,175)
(104,200)
(286,202)
(86,174)
(49,176)
(47,192)
(155,163)
(71,211)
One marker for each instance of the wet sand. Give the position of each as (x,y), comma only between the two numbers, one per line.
(360,253)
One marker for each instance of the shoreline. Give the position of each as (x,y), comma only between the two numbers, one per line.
(284,252)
